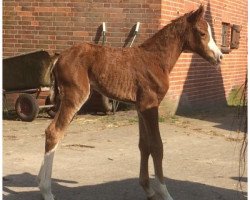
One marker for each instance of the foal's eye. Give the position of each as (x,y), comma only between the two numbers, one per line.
(202,34)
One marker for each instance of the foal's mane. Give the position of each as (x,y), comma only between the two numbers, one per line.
(175,27)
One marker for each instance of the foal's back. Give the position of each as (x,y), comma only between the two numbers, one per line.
(118,73)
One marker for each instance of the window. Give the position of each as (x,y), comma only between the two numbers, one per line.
(230,37)
(235,37)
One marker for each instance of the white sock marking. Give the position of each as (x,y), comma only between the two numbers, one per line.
(44,176)
(162,189)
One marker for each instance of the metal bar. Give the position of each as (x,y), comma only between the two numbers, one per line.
(105,100)
(103,33)
(20,91)
(135,33)
(47,106)
(43,89)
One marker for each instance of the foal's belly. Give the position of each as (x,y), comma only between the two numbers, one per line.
(116,85)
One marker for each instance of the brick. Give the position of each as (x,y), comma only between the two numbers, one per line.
(28,46)
(61,4)
(45,18)
(80,33)
(45,9)
(34,23)
(24,23)
(27,8)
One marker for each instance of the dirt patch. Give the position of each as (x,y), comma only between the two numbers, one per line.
(78,147)
(99,158)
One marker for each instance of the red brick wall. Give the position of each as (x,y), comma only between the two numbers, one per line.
(55,25)
(193,80)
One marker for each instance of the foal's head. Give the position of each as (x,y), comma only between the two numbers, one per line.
(199,37)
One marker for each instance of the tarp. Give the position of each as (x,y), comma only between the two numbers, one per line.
(27,71)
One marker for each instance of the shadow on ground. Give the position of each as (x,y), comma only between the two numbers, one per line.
(230,118)
(11,115)
(116,190)
(242,179)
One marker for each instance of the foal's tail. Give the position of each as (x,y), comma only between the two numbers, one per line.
(54,86)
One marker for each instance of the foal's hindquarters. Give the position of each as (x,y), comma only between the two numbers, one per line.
(74,91)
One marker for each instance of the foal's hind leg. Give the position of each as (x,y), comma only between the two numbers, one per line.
(150,118)
(71,102)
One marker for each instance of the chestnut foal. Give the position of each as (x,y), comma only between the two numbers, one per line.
(139,75)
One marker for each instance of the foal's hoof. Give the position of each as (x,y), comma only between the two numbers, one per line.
(153,198)
(158,197)
(48,196)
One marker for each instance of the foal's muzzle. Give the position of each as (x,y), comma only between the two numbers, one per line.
(219,58)
(216,59)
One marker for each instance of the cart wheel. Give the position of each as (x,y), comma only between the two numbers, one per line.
(51,111)
(27,107)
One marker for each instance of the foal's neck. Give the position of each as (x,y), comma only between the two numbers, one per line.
(167,44)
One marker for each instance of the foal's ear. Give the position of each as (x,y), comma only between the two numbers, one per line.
(196,15)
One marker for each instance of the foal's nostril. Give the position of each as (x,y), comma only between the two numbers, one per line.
(221,57)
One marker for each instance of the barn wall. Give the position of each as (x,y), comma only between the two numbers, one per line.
(193,81)
(55,25)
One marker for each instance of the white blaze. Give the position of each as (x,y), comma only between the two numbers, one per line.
(212,46)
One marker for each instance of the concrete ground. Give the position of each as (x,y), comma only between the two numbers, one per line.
(99,158)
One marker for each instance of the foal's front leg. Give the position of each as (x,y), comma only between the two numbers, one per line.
(144,150)
(150,119)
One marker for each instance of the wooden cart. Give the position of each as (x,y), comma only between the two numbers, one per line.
(27,79)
